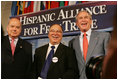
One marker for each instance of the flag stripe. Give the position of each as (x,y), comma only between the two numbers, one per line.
(21,7)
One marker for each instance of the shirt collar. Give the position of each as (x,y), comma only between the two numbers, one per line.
(88,33)
(53,45)
(16,39)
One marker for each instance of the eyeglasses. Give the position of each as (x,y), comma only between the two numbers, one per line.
(57,31)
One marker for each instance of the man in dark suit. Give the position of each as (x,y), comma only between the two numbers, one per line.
(16,54)
(63,63)
(89,43)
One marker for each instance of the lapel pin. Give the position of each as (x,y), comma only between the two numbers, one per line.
(54,59)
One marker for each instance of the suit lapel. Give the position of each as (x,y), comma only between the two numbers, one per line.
(57,54)
(44,52)
(59,51)
(79,53)
(18,46)
(8,46)
(92,44)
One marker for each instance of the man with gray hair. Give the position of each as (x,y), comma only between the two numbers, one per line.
(88,43)
(16,53)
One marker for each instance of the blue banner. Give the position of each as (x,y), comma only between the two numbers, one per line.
(36,25)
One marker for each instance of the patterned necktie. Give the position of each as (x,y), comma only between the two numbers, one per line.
(85,46)
(12,47)
(47,64)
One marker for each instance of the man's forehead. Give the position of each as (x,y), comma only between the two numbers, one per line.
(83,13)
(14,19)
(55,27)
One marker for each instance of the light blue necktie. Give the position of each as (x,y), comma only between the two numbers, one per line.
(47,64)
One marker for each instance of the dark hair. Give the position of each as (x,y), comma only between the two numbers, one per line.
(56,24)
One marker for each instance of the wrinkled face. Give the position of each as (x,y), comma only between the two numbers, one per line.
(14,28)
(55,34)
(84,21)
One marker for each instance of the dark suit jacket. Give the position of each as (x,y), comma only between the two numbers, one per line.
(66,67)
(19,65)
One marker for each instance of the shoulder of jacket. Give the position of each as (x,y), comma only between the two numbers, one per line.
(25,42)
(41,47)
(66,47)
(100,32)
(74,38)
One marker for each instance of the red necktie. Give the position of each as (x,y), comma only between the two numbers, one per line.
(12,47)
(85,46)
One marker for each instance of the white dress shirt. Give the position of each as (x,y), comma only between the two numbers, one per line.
(81,39)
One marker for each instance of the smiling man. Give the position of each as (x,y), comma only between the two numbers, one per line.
(55,34)
(88,43)
(55,60)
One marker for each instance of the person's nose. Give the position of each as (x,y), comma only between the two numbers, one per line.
(14,28)
(55,32)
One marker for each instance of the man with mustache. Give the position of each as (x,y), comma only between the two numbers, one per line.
(63,62)
(88,43)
